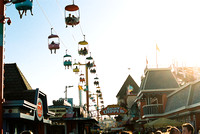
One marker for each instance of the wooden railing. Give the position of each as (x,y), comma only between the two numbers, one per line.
(153,109)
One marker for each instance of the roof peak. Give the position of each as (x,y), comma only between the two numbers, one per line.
(156,69)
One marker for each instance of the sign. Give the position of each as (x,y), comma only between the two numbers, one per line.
(39,111)
(113,110)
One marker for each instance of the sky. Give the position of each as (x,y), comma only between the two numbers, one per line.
(121,35)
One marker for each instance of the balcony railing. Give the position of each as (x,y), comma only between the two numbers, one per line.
(153,109)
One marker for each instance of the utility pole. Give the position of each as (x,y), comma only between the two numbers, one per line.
(87,89)
(2,17)
(66,91)
(97,105)
(87,85)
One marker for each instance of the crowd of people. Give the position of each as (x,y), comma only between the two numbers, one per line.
(186,128)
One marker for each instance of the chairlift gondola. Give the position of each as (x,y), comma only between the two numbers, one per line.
(96,83)
(83,47)
(67,60)
(53,42)
(93,69)
(76,67)
(17,1)
(82,79)
(89,61)
(22,7)
(72,15)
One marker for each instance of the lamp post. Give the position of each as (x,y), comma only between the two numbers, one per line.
(2,13)
(66,91)
(2,21)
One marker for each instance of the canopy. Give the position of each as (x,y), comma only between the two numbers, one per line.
(53,36)
(83,42)
(162,122)
(72,8)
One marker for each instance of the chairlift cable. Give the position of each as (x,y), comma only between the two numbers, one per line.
(49,21)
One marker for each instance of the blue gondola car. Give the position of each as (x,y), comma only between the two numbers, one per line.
(67,61)
(22,7)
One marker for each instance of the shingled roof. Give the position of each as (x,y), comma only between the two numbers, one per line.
(129,81)
(14,79)
(28,95)
(187,96)
(158,78)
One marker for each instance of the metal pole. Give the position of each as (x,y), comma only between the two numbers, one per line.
(2,12)
(80,98)
(66,93)
(97,107)
(87,87)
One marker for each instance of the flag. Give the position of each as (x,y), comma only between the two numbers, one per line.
(80,87)
(157,48)
(130,89)
(146,61)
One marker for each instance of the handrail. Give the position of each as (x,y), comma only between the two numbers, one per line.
(152,105)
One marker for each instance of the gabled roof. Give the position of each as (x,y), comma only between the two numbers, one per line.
(158,78)
(17,89)
(188,96)
(14,79)
(28,95)
(129,81)
(181,96)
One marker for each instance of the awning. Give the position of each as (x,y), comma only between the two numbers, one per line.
(117,129)
(162,122)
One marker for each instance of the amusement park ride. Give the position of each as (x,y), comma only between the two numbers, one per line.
(89,65)
(53,42)
(72,15)
(22,6)
(72,18)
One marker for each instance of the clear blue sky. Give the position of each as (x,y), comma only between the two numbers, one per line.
(121,34)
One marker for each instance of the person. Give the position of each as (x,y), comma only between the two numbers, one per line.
(26,132)
(174,130)
(52,42)
(81,51)
(24,11)
(158,132)
(68,19)
(75,20)
(187,128)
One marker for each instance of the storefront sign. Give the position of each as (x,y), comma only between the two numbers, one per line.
(39,111)
(113,110)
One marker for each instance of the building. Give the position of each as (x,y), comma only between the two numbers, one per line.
(187,108)
(155,86)
(24,108)
(125,98)
(161,96)
(70,119)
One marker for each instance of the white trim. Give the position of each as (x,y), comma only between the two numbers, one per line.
(180,114)
(151,115)
(184,86)
(176,110)
(145,80)
(158,90)
(178,89)
(156,69)
(163,114)
(189,94)
(193,105)
(194,82)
